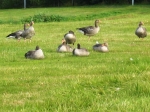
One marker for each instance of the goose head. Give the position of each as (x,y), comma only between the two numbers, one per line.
(25,25)
(105,44)
(78,46)
(141,23)
(71,32)
(37,47)
(63,41)
(31,23)
(97,22)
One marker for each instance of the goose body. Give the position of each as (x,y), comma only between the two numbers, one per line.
(17,34)
(29,33)
(141,31)
(80,51)
(35,54)
(101,47)
(64,47)
(70,37)
(90,30)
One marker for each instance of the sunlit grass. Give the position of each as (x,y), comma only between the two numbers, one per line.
(113,81)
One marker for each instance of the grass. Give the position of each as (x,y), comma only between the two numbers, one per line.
(102,82)
(69,13)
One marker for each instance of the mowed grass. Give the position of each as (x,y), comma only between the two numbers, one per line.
(102,82)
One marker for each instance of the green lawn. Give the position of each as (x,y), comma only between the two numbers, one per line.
(117,81)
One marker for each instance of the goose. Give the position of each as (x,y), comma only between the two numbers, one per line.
(29,33)
(70,37)
(141,31)
(101,47)
(64,47)
(90,30)
(35,54)
(80,51)
(17,34)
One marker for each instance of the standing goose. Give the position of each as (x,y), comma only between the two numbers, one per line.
(90,30)
(17,34)
(35,54)
(141,31)
(80,51)
(64,47)
(70,37)
(101,47)
(29,33)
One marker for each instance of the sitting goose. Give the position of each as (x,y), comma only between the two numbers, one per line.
(101,47)
(64,47)
(141,31)
(90,30)
(35,54)
(80,51)
(28,33)
(70,37)
(17,34)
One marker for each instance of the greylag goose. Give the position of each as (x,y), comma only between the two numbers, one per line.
(64,47)
(80,51)
(90,30)
(70,37)
(101,47)
(17,34)
(141,31)
(29,33)
(35,54)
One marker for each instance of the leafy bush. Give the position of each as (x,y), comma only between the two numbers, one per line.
(44,18)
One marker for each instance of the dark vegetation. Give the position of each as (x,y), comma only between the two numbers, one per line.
(58,3)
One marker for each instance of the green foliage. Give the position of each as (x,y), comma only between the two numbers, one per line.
(43,18)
